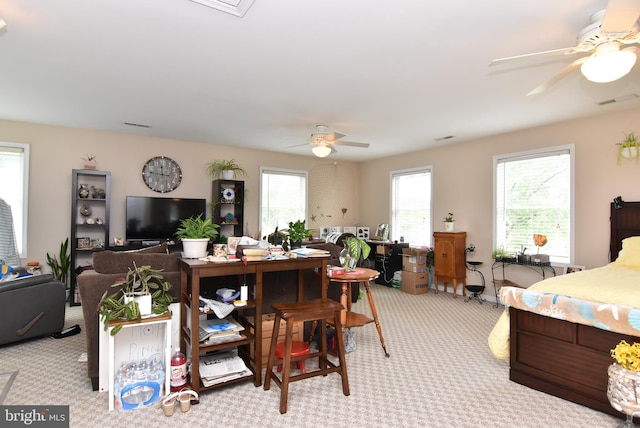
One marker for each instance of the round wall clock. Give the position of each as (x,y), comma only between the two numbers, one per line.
(161,174)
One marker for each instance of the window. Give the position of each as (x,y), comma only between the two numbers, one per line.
(283,198)
(411,206)
(14,174)
(534,195)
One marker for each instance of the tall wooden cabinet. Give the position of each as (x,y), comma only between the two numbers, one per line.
(228,206)
(449,260)
(89,221)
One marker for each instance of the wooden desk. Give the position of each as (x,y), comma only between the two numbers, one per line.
(353,319)
(192,270)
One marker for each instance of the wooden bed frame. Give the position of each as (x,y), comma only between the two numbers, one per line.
(565,359)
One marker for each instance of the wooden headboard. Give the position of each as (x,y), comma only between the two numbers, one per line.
(625,222)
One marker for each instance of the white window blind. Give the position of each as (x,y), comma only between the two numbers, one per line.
(283,198)
(534,195)
(14,173)
(411,206)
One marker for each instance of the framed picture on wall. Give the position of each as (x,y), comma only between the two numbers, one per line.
(573,269)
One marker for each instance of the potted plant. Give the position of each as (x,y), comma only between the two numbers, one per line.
(97,192)
(623,376)
(195,233)
(499,254)
(227,169)
(354,248)
(449,223)
(60,264)
(89,162)
(298,232)
(628,148)
(142,293)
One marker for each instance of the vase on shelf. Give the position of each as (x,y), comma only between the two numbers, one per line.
(623,391)
(347,261)
(448,226)
(83,191)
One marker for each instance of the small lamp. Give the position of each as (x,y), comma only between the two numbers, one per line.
(608,63)
(321,151)
(617,202)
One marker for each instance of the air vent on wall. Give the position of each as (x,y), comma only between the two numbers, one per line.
(234,7)
(448,137)
(618,99)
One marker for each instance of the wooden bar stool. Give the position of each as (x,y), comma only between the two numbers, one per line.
(319,310)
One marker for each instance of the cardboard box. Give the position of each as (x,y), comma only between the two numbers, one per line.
(415,283)
(383,249)
(267,331)
(414,260)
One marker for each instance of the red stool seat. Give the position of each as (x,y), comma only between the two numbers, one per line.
(298,349)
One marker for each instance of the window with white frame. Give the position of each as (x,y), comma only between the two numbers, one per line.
(534,194)
(411,206)
(283,198)
(14,174)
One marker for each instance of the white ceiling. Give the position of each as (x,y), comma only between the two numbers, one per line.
(397,75)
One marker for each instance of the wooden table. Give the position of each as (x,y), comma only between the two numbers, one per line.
(353,319)
(192,270)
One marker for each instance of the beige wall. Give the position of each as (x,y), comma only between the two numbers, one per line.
(55,151)
(462,179)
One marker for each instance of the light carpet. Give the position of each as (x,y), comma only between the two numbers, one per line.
(440,373)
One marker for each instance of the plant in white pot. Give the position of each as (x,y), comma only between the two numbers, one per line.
(227,169)
(195,234)
(142,293)
(628,148)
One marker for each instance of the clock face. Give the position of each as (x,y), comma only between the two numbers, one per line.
(161,174)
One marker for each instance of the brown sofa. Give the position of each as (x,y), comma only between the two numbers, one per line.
(108,266)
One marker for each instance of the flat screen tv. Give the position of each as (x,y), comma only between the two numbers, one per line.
(157,219)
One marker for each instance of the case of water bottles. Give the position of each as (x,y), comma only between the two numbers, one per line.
(139,384)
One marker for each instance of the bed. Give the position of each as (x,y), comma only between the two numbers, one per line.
(558,333)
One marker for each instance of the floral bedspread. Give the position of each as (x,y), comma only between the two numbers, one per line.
(607,298)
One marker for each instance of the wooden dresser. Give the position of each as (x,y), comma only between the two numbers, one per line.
(449,260)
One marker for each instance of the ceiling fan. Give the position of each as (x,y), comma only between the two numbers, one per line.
(603,40)
(323,142)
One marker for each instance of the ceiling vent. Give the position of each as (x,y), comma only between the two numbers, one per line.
(618,99)
(448,137)
(234,7)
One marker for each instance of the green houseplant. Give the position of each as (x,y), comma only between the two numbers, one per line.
(195,233)
(142,286)
(298,232)
(354,248)
(220,168)
(628,148)
(60,265)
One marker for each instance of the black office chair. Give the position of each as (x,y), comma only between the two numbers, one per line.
(474,290)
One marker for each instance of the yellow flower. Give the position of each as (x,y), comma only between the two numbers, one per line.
(627,356)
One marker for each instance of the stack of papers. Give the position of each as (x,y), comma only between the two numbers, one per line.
(222,367)
(219,330)
(310,252)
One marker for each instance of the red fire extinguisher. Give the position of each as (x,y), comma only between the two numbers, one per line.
(178,371)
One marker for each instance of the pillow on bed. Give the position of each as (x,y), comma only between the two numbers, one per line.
(629,256)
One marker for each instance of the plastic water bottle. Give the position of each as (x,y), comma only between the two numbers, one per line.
(178,378)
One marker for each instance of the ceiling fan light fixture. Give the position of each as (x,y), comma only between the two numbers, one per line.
(321,151)
(608,63)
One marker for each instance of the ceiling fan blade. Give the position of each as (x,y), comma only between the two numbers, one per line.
(621,16)
(298,145)
(333,136)
(351,143)
(559,76)
(535,54)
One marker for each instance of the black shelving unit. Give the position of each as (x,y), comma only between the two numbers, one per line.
(228,206)
(89,222)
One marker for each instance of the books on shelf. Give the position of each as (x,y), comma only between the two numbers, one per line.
(222,367)
(219,330)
